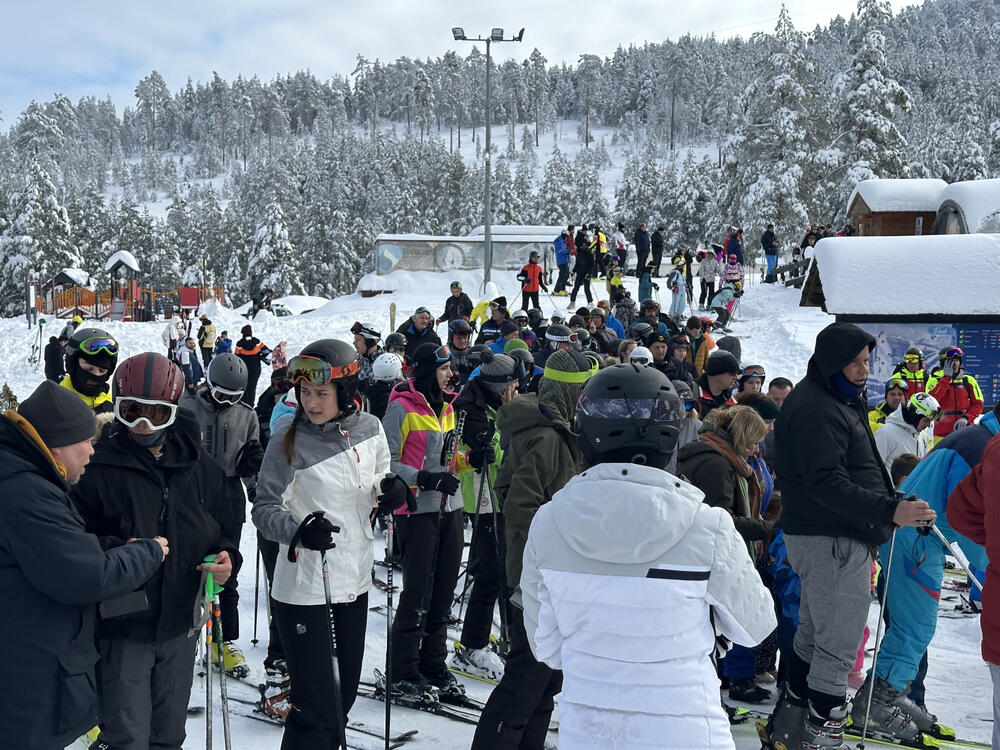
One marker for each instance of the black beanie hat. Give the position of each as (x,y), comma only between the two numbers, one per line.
(425,359)
(247,330)
(508,327)
(59,416)
(722,362)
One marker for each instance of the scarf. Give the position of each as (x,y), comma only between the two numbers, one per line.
(751,497)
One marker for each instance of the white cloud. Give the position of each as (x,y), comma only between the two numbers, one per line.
(78,48)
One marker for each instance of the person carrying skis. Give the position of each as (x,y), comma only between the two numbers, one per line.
(531,281)
(678,289)
(914,586)
(838,501)
(328,457)
(911,369)
(150,477)
(252,351)
(628,577)
(958,393)
(419,425)
(53,573)
(493,384)
(540,458)
(895,394)
(230,434)
(91,357)
(206,339)
(55,358)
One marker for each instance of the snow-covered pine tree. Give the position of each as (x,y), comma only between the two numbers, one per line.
(556,195)
(271,262)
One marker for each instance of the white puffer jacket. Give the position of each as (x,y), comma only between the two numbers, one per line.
(621,570)
(897,436)
(337,468)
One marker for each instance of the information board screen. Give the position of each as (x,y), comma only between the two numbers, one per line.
(980,343)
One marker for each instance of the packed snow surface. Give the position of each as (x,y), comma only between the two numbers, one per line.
(775,332)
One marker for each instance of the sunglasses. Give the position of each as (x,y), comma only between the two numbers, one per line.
(97,344)
(317,372)
(131,410)
(753,372)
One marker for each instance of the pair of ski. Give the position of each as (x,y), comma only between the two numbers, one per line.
(451,705)
(876,739)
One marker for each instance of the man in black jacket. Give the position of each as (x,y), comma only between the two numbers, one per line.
(641,241)
(657,243)
(53,573)
(769,244)
(838,503)
(417,330)
(458,305)
(151,477)
(55,358)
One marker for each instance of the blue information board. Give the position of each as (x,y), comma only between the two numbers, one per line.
(980,343)
(891,342)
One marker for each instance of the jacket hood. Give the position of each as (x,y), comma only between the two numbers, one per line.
(414,400)
(24,451)
(694,448)
(896,418)
(180,450)
(624,513)
(836,346)
(522,413)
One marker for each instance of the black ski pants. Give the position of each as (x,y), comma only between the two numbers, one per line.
(485,566)
(640,263)
(581,279)
(417,649)
(527,298)
(206,355)
(305,630)
(269,556)
(518,711)
(707,291)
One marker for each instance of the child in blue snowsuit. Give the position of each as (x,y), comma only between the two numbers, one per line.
(678,288)
(646,285)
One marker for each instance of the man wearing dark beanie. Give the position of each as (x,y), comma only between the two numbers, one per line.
(52,572)
(715,386)
(419,424)
(541,457)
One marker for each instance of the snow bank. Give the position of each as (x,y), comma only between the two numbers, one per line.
(910,275)
(899,195)
(533,230)
(978,200)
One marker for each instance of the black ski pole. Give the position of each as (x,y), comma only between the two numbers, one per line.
(390,536)
(217,627)
(472,549)
(256,598)
(500,546)
(878,636)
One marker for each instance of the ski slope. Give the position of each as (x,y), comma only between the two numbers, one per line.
(775,333)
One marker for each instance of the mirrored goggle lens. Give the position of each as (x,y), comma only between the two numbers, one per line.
(156,414)
(309,369)
(753,372)
(953,353)
(911,357)
(442,355)
(648,409)
(98,344)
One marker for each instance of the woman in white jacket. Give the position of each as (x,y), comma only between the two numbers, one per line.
(329,457)
(905,430)
(625,573)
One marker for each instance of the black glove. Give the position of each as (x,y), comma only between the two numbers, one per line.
(317,534)
(249,459)
(925,529)
(482,456)
(394,494)
(440,481)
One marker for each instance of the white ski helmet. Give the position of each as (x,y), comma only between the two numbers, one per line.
(640,356)
(387,367)
(925,405)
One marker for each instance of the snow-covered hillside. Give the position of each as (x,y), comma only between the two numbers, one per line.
(775,332)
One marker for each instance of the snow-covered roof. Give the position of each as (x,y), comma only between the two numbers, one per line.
(910,275)
(899,195)
(79,277)
(977,199)
(510,237)
(518,229)
(122,256)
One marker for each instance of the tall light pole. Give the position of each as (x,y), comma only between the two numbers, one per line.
(496,35)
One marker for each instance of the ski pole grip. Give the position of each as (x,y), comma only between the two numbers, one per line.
(925,528)
(210,588)
(293,545)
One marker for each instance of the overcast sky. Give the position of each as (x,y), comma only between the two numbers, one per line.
(63,46)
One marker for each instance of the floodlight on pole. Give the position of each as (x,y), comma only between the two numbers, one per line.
(496,35)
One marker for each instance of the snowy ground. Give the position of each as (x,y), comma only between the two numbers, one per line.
(775,332)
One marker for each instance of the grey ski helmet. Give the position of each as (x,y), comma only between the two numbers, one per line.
(227,378)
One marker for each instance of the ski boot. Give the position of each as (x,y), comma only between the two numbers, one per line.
(747,691)
(824,734)
(886,718)
(414,689)
(783,731)
(276,667)
(482,662)
(275,701)
(233,660)
(444,682)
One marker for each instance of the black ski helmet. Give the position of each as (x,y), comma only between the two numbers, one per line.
(639,331)
(628,413)
(342,357)
(535,317)
(103,352)
(395,341)
(228,373)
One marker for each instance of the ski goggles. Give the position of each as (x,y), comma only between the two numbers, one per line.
(895,383)
(649,409)
(911,357)
(98,344)
(442,354)
(455,285)
(955,353)
(158,415)
(366,331)
(317,372)
(753,371)
(224,396)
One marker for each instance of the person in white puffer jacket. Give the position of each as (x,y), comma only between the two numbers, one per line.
(905,430)
(625,572)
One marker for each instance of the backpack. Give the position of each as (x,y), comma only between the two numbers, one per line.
(625,311)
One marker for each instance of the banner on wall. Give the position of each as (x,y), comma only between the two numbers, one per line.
(428,253)
(893,339)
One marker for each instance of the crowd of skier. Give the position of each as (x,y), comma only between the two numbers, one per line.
(650,515)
